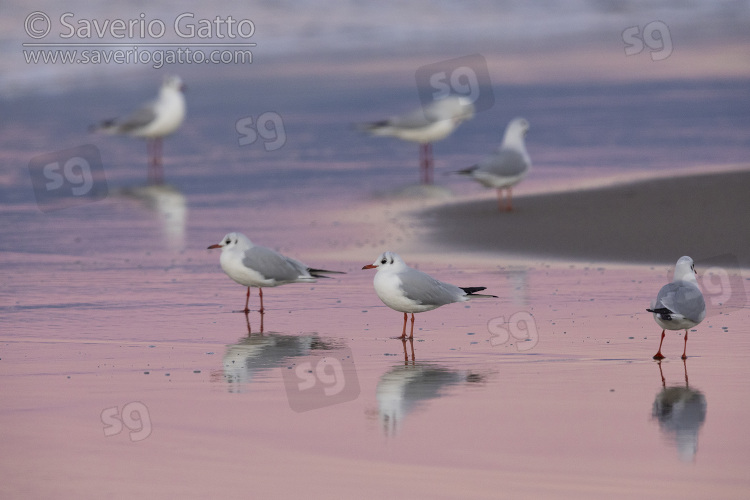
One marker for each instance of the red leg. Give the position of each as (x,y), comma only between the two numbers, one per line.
(684,351)
(509,206)
(658,354)
(403,333)
(260,292)
(411,334)
(500,199)
(247,301)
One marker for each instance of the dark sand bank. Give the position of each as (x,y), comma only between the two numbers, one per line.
(659,220)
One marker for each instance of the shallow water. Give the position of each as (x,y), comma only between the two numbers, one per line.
(127,372)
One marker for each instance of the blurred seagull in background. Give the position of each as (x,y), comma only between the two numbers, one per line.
(507,166)
(408,290)
(679,305)
(153,121)
(255,266)
(425,125)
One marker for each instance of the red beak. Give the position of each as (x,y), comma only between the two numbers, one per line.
(369,266)
(214,246)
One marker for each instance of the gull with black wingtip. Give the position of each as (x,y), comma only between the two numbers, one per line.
(408,290)
(260,267)
(153,121)
(679,305)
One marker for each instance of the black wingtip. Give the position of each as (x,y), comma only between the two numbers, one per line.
(465,171)
(103,125)
(321,273)
(665,313)
(370,126)
(472,290)
(661,310)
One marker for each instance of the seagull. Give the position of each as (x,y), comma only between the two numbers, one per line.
(407,290)
(255,266)
(507,166)
(425,125)
(153,121)
(679,305)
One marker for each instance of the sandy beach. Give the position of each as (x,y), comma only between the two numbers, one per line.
(129,371)
(648,221)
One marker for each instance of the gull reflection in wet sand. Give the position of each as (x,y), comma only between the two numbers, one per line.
(263,352)
(170,206)
(405,388)
(681,412)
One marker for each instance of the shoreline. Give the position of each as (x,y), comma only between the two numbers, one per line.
(653,220)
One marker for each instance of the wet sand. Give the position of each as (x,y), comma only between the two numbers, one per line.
(649,221)
(126,372)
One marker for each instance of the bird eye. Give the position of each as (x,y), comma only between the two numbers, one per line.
(228,242)
(384,261)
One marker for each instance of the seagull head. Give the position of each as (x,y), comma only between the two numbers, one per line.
(386,260)
(684,270)
(515,133)
(233,241)
(173,83)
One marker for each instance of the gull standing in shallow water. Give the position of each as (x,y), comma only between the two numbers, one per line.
(255,266)
(507,166)
(153,121)
(408,290)
(426,125)
(679,305)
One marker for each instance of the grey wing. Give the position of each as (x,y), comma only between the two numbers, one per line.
(139,118)
(506,163)
(682,298)
(415,119)
(273,265)
(426,290)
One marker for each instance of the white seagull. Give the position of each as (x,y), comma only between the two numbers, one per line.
(408,290)
(679,305)
(426,125)
(507,166)
(255,266)
(153,121)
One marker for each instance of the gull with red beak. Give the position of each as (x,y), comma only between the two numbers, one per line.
(260,267)
(408,290)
